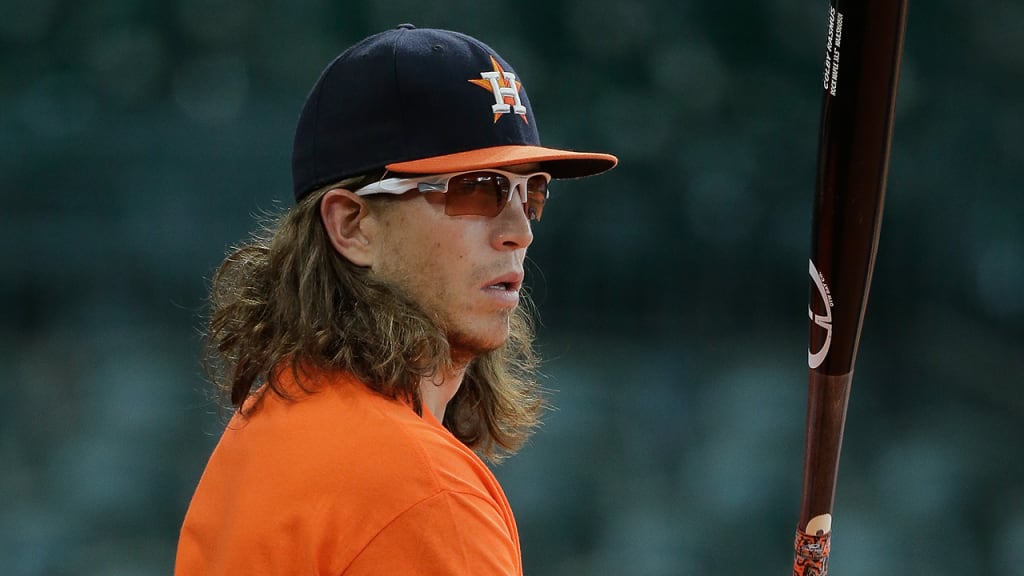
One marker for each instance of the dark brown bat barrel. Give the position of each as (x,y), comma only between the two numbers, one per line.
(862,58)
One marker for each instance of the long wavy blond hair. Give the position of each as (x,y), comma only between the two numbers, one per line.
(286,298)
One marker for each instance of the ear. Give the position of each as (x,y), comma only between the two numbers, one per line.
(348,223)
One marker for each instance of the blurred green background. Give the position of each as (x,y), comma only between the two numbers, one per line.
(139,139)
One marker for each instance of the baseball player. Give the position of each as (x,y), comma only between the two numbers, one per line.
(375,341)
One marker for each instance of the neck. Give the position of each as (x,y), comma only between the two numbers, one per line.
(436,392)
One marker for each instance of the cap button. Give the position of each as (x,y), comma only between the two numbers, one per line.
(405,26)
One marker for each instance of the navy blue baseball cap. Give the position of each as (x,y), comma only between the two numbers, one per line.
(422,101)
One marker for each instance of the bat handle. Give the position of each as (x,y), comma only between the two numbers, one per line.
(828,397)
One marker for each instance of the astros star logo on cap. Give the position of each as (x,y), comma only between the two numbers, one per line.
(505,88)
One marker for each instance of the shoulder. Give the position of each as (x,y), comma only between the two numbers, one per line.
(343,435)
(448,533)
(324,475)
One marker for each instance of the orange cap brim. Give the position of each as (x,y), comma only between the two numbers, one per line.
(558,163)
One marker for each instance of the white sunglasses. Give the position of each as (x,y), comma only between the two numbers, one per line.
(473,193)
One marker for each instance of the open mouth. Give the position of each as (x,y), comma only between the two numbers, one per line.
(507,283)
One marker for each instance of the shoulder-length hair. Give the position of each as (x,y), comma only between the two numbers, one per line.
(286,298)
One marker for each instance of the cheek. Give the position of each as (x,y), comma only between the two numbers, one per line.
(428,263)
(441,265)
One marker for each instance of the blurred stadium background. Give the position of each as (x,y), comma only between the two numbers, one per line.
(138,139)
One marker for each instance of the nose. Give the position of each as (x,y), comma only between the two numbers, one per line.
(512,229)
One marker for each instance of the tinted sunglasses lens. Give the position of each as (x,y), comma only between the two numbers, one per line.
(476,194)
(536,196)
(486,193)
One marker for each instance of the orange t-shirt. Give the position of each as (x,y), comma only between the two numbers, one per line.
(345,481)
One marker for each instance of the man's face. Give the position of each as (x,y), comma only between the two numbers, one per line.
(464,271)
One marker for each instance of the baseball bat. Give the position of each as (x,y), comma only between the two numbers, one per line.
(862,62)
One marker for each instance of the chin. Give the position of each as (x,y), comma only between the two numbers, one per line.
(467,345)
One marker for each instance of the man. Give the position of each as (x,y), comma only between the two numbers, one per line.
(376,338)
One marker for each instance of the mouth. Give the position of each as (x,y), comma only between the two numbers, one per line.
(510,282)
